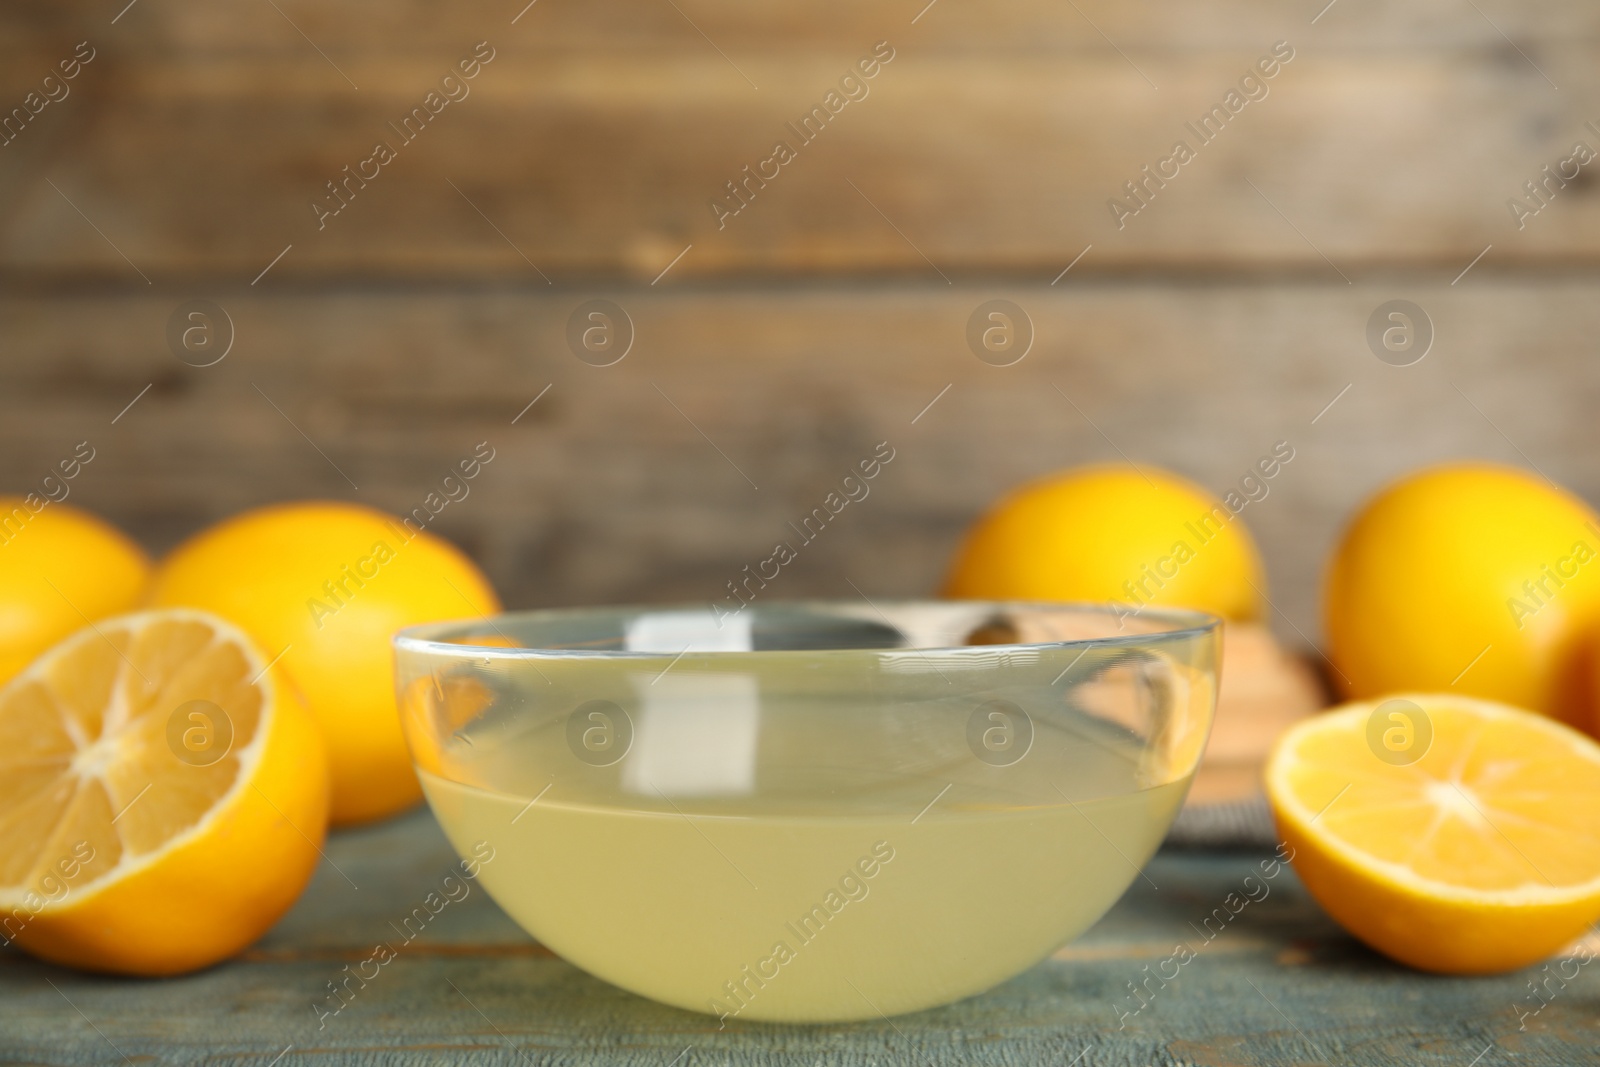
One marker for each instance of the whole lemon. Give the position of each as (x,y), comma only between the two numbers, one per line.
(324,586)
(60,567)
(1469,578)
(1136,535)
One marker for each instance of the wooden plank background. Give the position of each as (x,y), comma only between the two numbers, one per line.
(625,482)
(778,350)
(595,139)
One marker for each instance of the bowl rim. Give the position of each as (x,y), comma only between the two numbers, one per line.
(1183,624)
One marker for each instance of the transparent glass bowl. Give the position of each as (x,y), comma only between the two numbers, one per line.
(808,811)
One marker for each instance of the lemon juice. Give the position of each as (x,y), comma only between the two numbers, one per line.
(807,812)
(763,881)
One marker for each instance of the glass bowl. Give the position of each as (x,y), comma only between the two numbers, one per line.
(808,811)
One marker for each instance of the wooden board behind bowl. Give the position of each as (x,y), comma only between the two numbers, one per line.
(1263,689)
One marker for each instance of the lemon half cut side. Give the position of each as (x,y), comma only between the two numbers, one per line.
(1478,852)
(163,796)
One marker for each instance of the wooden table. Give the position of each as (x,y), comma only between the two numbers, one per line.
(1281,984)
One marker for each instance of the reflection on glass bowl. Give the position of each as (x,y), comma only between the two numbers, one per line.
(809,811)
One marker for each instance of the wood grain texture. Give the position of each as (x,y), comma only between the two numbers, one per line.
(594,143)
(1280,984)
(629,482)
(417,26)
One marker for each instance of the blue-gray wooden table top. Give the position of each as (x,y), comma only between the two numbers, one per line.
(1279,984)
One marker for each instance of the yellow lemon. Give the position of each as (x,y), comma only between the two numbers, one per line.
(323,586)
(60,568)
(162,796)
(1469,577)
(1113,533)
(1452,834)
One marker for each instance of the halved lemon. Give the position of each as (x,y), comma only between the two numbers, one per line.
(1454,835)
(162,796)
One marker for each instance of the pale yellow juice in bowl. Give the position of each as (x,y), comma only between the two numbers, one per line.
(809,811)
